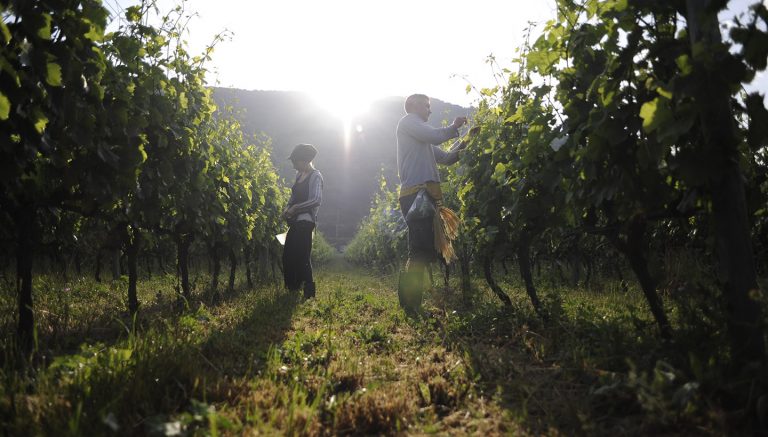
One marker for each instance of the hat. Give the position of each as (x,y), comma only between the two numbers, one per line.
(303,152)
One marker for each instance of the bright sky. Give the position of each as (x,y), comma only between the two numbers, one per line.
(348,52)
(360,49)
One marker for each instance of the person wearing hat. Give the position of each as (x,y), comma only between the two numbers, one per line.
(301,215)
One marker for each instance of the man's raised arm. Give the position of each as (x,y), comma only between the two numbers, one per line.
(428,134)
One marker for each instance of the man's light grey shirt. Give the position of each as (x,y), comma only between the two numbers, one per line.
(418,153)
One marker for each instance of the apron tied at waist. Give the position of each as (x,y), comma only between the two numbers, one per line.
(446,222)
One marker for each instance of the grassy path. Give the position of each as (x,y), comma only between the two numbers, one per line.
(265,362)
(350,361)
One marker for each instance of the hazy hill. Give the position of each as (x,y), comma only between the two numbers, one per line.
(351,171)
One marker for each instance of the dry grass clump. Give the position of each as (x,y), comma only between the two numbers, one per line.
(227,389)
(344,376)
(441,383)
(275,408)
(346,382)
(376,412)
(483,419)
(304,422)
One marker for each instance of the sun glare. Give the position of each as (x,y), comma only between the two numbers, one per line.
(344,105)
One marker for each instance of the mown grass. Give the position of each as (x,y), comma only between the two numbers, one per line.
(263,362)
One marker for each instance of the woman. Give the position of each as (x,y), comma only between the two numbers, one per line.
(301,215)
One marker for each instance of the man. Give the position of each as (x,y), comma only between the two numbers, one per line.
(418,154)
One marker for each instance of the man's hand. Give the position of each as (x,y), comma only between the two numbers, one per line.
(458,122)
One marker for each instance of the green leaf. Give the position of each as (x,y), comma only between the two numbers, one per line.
(755,45)
(122,355)
(41,123)
(53,75)
(248,193)
(499,172)
(664,93)
(516,117)
(6,34)
(757,134)
(133,14)
(621,5)
(424,392)
(467,188)
(44,32)
(95,34)
(542,60)
(591,8)
(142,152)
(684,64)
(684,118)
(606,95)
(8,68)
(5,107)
(655,113)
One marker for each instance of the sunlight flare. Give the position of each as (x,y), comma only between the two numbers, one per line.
(344,105)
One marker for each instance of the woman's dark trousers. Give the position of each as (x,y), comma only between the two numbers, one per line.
(297,266)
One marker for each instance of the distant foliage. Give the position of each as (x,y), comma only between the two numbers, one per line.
(381,242)
(322,251)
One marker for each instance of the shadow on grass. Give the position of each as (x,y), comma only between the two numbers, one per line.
(60,332)
(567,377)
(241,348)
(134,383)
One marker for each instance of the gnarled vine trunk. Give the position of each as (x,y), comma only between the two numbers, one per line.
(215,262)
(247,258)
(733,243)
(132,254)
(182,257)
(488,271)
(524,263)
(26,227)
(232,270)
(116,264)
(97,274)
(633,249)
